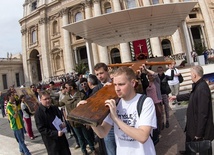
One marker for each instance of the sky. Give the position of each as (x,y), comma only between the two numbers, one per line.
(11,11)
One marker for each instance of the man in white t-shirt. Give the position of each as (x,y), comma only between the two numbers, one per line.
(132,133)
(174,83)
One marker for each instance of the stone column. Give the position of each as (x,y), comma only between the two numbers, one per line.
(177,42)
(204,36)
(75,55)
(68,54)
(188,43)
(155,42)
(166,1)
(44,47)
(116,5)
(175,37)
(94,46)
(125,52)
(24,57)
(190,35)
(146,3)
(208,22)
(156,47)
(90,58)
(103,52)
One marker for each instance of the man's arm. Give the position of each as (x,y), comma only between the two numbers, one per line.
(102,130)
(132,132)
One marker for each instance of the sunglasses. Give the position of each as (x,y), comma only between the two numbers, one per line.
(83,84)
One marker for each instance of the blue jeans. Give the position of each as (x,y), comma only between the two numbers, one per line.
(19,134)
(110,142)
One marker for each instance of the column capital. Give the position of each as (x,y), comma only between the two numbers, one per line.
(43,20)
(24,31)
(63,11)
(87,3)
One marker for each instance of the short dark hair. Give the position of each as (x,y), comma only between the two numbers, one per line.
(72,83)
(101,65)
(44,93)
(83,80)
(21,97)
(93,79)
(52,83)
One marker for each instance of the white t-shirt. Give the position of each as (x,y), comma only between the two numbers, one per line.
(175,79)
(127,112)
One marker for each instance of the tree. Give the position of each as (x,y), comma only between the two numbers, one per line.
(81,68)
(199,48)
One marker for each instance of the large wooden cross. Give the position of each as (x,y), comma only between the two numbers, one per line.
(94,112)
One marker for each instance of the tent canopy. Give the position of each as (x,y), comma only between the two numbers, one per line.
(132,24)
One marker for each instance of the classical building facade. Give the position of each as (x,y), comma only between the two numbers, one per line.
(49,50)
(11,72)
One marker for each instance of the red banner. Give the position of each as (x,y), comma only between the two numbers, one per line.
(140,48)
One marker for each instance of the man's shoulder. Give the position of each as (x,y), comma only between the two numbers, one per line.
(98,87)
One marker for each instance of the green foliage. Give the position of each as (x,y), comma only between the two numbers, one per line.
(81,68)
(199,48)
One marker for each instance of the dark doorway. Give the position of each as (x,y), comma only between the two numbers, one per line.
(34,58)
(166,46)
(115,56)
(82,56)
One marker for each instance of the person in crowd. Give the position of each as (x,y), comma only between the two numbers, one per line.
(92,82)
(33,89)
(70,102)
(16,123)
(109,145)
(64,111)
(79,76)
(199,115)
(62,92)
(165,90)
(27,117)
(55,140)
(124,117)
(54,93)
(153,91)
(38,90)
(174,83)
(85,88)
(2,104)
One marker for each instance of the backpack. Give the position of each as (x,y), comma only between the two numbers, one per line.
(155,137)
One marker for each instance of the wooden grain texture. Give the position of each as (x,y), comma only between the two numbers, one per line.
(95,110)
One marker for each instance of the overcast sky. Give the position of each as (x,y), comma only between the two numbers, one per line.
(11,11)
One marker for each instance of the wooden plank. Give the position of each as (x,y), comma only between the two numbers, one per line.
(95,110)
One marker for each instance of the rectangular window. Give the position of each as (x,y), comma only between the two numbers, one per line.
(192,16)
(34,6)
(17,80)
(4,79)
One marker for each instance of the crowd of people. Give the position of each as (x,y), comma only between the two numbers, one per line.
(120,130)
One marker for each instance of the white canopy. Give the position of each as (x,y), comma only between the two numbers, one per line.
(133,24)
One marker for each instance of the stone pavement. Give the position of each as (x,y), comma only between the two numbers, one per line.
(171,139)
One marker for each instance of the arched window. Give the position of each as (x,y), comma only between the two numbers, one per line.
(57,60)
(130,4)
(33,36)
(107,7)
(78,17)
(55,27)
